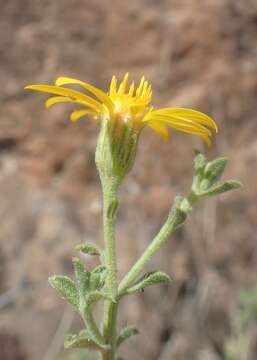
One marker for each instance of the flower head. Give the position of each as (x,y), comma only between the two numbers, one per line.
(130,107)
(123,113)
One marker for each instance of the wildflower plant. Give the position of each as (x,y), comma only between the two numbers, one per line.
(122,115)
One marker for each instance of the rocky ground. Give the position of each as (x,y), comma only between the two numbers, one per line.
(198,53)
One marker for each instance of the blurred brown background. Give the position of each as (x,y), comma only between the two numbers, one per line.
(197,53)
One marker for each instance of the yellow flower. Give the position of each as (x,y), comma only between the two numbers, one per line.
(131,107)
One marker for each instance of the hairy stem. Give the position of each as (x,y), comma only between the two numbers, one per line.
(110,204)
(110,331)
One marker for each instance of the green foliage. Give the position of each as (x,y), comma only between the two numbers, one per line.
(88,289)
(81,340)
(88,248)
(126,333)
(199,161)
(214,170)
(100,283)
(207,174)
(148,279)
(66,288)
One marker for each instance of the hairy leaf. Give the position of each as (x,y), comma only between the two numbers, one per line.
(88,248)
(150,278)
(82,340)
(98,277)
(82,276)
(66,288)
(199,161)
(214,170)
(227,186)
(126,333)
(95,296)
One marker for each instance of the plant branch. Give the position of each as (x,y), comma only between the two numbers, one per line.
(175,218)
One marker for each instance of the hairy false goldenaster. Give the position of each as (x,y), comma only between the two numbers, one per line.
(131,106)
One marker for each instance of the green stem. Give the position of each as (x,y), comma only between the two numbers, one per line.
(93,328)
(110,331)
(110,204)
(175,218)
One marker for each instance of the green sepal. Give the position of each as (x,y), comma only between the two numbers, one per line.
(66,288)
(81,340)
(126,333)
(88,248)
(116,150)
(148,279)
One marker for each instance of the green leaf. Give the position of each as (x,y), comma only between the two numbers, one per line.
(95,296)
(214,170)
(66,288)
(150,278)
(98,277)
(100,269)
(88,248)
(227,186)
(82,276)
(82,340)
(199,161)
(126,333)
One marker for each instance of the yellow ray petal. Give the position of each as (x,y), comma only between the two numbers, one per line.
(101,95)
(58,99)
(113,87)
(140,87)
(190,114)
(144,90)
(149,92)
(160,129)
(177,122)
(77,114)
(189,129)
(131,89)
(123,85)
(72,94)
